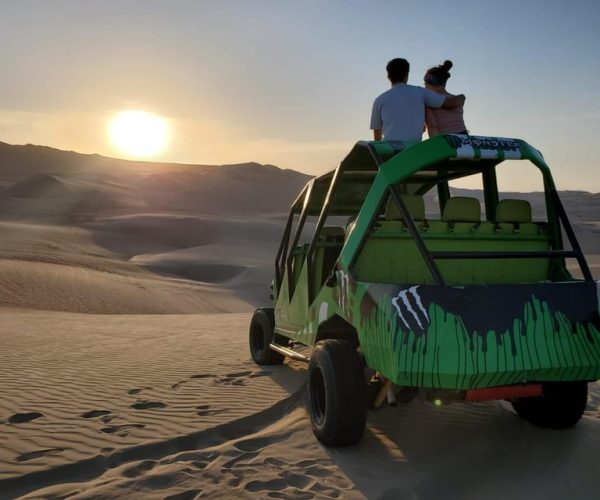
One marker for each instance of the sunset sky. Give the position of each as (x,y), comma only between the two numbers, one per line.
(292,83)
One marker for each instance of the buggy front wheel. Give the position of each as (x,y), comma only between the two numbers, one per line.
(337,393)
(260,337)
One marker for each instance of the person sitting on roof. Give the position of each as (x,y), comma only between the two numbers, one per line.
(442,121)
(399,113)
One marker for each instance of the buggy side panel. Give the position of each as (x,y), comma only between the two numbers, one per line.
(476,336)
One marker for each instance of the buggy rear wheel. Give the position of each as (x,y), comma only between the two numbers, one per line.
(560,406)
(337,393)
(261,335)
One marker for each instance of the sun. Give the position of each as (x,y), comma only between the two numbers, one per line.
(138,133)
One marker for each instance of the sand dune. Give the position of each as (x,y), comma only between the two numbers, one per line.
(39,186)
(62,268)
(37,285)
(130,235)
(122,377)
(138,264)
(141,237)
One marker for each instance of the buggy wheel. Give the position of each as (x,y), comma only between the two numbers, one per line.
(261,335)
(560,406)
(337,393)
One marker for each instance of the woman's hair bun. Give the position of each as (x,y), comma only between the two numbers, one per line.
(447,65)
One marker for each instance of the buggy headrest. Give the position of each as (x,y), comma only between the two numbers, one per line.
(513,211)
(462,209)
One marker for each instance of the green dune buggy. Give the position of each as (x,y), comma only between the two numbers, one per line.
(396,300)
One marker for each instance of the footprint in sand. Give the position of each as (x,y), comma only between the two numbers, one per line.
(240,378)
(95,413)
(177,385)
(206,410)
(275,462)
(148,405)
(137,390)
(240,465)
(228,380)
(327,492)
(118,429)
(296,480)
(139,468)
(22,418)
(253,444)
(239,374)
(203,375)
(199,459)
(25,457)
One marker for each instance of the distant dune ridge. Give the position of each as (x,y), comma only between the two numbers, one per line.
(208,231)
(211,230)
(121,376)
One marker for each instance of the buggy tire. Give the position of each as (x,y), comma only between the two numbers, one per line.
(560,406)
(261,335)
(337,393)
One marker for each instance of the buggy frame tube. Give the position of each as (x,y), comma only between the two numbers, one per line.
(490,191)
(562,216)
(323,215)
(366,234)
(414,232)
(374,154)
(325,210)
(507,255)
(301,222)
(443,194)
(279,259)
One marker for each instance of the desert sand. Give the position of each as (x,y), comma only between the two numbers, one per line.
(159,406)
(125,296)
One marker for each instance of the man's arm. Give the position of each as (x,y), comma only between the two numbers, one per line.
(377,134)
(454,101)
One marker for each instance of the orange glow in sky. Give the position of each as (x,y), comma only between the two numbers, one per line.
(232,95)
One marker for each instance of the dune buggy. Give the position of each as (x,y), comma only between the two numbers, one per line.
(396,299)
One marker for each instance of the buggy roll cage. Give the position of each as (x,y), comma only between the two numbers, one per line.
(378,154)
(282,263)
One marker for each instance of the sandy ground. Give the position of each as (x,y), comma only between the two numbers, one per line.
(170,406)
(125,298)
(79,389)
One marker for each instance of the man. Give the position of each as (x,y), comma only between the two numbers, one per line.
(399,113)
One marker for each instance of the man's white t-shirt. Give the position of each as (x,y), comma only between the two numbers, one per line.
(400,111)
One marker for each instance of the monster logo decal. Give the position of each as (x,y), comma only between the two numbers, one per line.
(415,311)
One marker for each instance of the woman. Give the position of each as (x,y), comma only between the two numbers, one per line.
(442,121)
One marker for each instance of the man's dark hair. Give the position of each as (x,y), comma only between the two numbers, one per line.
(397,70)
